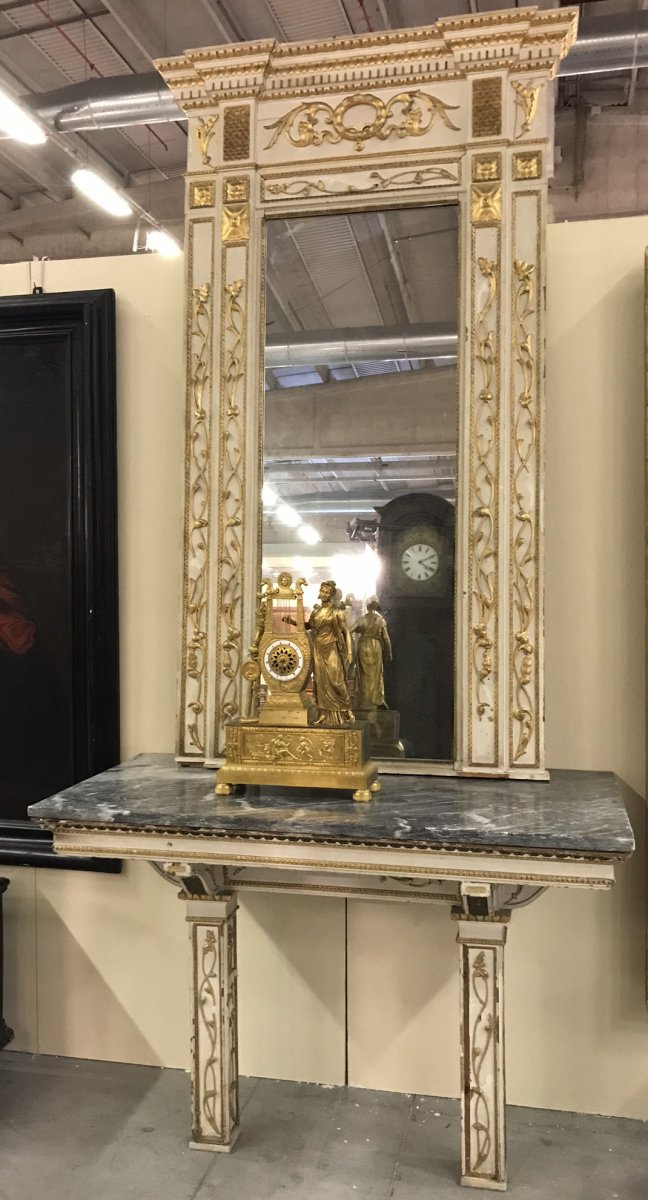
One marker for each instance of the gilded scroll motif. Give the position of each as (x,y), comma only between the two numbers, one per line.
(376,182)
(210,1033)
(484,496)
(409,114)
(231,483)
(198,541)
(526,99)
(480,1044)
(524,533)
(204,133)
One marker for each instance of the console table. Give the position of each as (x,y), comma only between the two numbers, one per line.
(481,847)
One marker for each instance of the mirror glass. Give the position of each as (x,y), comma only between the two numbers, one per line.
(360,446)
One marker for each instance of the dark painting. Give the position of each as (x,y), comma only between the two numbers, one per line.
(58,570)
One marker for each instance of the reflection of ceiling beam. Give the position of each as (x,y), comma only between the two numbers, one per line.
(337,347)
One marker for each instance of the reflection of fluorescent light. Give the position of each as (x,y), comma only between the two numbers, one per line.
(269,496)
(18,124)
(308,533)
(101,193)
(162,243)
(287,515)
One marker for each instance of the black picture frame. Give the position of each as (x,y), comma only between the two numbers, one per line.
(59,704)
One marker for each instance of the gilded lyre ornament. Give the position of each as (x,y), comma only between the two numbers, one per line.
(409,114)
(526,98)
(204,133)
(294,738)
(199,501)
(524,525)
(484,492)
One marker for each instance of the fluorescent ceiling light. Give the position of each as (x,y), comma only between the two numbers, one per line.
(269,496)
(18,124)
(288,516)
(101,193)
(308,533)
(162,243)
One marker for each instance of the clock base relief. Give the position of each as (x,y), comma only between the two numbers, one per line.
(311,757)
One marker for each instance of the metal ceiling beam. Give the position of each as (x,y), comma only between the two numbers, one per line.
(47,26)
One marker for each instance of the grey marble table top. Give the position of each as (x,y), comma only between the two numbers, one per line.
(574,813)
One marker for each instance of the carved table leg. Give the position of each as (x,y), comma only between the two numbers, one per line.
(214,1053)
(483,1118)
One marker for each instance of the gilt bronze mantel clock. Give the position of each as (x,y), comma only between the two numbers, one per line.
(292,739)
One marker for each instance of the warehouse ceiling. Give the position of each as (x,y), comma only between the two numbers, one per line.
(47,45)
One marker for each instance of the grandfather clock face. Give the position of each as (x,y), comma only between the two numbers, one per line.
(417,562)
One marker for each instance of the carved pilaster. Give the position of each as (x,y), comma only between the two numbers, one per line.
(481,957)
(214,1067)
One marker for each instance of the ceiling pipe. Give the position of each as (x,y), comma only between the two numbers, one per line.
(609,44)
(606,44)
(338,348)
(110,103)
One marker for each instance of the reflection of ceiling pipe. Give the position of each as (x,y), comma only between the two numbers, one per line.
(605,44)
(337,347)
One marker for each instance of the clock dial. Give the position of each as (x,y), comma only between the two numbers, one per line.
(420,562)
(283,660)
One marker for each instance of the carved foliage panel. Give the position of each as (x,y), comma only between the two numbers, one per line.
(229,506)
(482,1061)
(483,470)
(525,732)
(193,691)
(215,1064)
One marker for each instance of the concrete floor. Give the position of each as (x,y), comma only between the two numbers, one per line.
(73,1130)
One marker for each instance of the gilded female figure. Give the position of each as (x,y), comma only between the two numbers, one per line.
(373,647)
(332,652)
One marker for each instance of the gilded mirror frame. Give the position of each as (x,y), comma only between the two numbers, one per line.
(461,113)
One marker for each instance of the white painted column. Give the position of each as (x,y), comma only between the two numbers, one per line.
(214,1041)
(483,1099)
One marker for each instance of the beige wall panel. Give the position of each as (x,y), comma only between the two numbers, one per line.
(150,415)
(20,955)
(113,967)
(291,987)
(403,998)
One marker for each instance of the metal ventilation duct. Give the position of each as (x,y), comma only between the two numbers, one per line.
(107,103)
(605,45)
(609,44)
(336,348)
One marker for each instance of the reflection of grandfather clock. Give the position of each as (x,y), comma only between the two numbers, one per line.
(416,592)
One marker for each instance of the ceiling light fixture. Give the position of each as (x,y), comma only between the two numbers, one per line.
(101,193)
(287,515)
(309,534)
(269,496)
(162,243)
(18,124)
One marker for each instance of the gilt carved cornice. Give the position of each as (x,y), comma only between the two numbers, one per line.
(515,39)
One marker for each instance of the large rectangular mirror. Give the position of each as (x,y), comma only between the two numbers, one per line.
(360,442)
